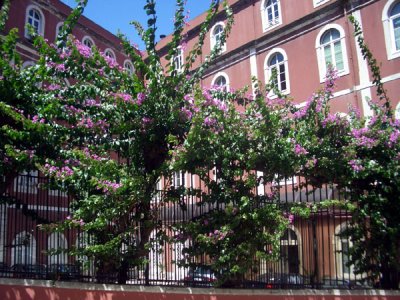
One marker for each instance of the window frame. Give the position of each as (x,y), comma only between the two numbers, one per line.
(319,2)
(321,55)
(219,75)
(266,24)
(59,24)
(110,53)
(388,30)
(178,58)
(337,248)
(268,70)
(213,36)
(27,182)
(88,38)
(129,71)
(42,20)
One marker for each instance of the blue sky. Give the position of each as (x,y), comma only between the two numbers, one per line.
(117,14)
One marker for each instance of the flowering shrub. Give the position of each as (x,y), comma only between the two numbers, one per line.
(108,137)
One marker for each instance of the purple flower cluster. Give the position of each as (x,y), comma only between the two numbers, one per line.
(209,121)
(356,165)
(53,87)
(211,101)
(37,119)
(299,150)
(62,172)
(87,122)
(87,153)
(140,98)
(218,235)
(73,109)
(358,133)
(331,119)
(330,79)
(111,62)
(361,138)
(77,222)
(108,186)
(394,137)
(186,113)
(302,112)
(92,103)
(83,50)
(289,216)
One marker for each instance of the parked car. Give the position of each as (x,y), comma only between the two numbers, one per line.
(200,276)
(337,283)
(278,281)
(64,272)
(34,271)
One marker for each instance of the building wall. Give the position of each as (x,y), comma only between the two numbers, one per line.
(248,46)
(54,12)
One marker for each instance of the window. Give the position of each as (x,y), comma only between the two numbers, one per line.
(35,18)
(397,112)
(290,252)
(24,249)
(88,42)
(57,241)
(319,2)
(342,245)
(178,179)
(276,61)
(391,26)
(178,60)
(221,81)
(283,180)
(331,50)
(129,68)
(271,14)
(109,53)
(216,34)
(26,182)
(58,30)
(27,64)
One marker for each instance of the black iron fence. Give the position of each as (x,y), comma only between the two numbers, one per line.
(313,254)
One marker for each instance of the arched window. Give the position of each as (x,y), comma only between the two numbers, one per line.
(177,60)
(58,30)
(342,245)
(391,26)
(57,241)
(82,241)
(271,14)
(276,61)
(221,81)
(27,64)
(331,50)
(110,53)
(395,23)
(35,18)
(397,112)
(129,68)
(290,252)
(216,33)
(23,249)
(88,42)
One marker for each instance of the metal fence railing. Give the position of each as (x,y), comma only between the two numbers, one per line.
(313,254)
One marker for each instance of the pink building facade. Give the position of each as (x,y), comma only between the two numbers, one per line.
(299,38)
